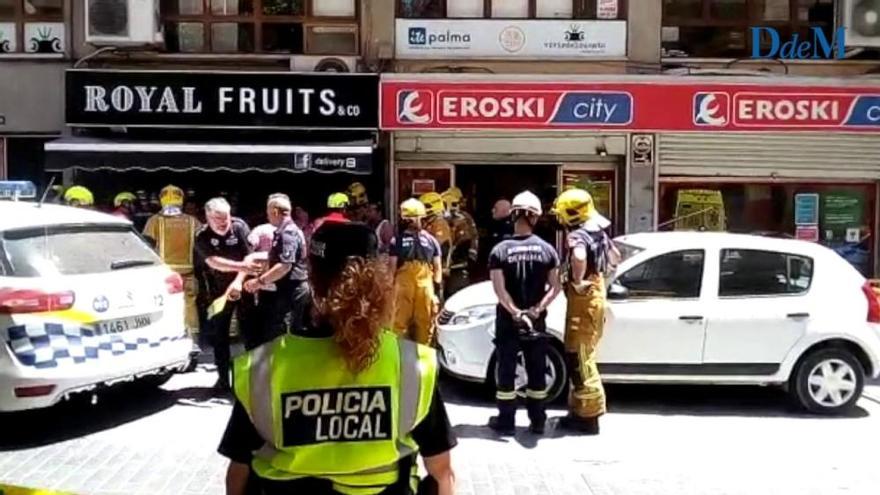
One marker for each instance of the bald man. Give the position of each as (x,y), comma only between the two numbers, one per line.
(500,229)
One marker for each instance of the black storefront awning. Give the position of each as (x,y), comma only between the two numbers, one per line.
(93,154)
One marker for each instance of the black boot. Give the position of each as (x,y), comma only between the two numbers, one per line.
(502,427)
(578,425)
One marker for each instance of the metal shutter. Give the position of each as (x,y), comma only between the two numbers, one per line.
(821,155)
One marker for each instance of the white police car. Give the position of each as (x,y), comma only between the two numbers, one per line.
(84,303)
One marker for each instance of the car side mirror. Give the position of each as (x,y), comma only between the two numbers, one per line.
(618,292)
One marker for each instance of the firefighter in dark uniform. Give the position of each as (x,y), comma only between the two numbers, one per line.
(464,241)
(221,247)
(347,408)
(590,252)
(521,269)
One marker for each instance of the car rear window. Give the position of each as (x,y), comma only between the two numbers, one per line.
(750,272)
(72,250)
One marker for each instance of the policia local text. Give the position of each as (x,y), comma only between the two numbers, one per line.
(337,414)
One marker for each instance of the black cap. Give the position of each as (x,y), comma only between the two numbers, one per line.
(334,242)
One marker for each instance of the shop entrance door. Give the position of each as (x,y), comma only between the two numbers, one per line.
(483,185)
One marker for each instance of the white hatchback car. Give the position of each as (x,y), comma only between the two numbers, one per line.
(84,303)
(688,307)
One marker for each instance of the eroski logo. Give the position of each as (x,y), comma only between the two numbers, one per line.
(414,107)
(711,109)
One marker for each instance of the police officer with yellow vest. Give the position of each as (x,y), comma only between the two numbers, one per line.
(347,408)
(174,233)
(464,241)
(415,257)
(590,251)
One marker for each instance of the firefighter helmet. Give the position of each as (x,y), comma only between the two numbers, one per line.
(79,196)
(412,209)
(357,194)
(452,198)
(171,196)
(574,207)
(433,203)
(337,201)
(528,202)
(122,198)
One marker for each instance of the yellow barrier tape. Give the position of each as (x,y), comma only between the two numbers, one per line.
(18,490)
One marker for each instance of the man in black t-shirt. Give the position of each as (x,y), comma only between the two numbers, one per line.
(521,268)
(284,287)
(222,245)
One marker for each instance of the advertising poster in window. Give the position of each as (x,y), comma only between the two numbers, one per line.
(844,228)
(809,233)
(806,209)
(700,209)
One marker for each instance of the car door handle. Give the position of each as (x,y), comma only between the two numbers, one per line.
(690,318)
(798,315)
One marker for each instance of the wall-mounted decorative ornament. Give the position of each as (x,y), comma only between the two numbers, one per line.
(44,37)
(7,37)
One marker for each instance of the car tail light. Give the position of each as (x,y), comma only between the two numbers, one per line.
(38,391)
(34,301)
(174,283)
(873,303)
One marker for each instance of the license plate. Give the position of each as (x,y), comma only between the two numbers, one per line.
(124,324)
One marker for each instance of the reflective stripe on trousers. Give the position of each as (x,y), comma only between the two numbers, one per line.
(584,324)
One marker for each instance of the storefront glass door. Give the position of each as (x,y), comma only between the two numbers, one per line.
(412,182)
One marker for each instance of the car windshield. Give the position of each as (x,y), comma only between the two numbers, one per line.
(72,250)
(627,250)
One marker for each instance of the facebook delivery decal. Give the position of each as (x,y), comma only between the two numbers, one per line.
(644,106)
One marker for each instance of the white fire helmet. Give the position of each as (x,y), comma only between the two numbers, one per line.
(527,201)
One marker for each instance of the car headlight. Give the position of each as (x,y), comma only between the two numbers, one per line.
(473,315)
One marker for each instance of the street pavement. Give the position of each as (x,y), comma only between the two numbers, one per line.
(655,440)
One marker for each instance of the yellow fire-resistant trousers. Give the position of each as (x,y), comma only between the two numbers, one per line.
(190,310)
(584,323)
(414,303)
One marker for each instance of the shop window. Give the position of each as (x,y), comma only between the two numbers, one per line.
(676,275)
(720,28)
(512,9)
(838,216)
(320,27)
(32,26)
(748,272)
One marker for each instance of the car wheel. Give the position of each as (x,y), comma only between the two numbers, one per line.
(556,374)
(828,381)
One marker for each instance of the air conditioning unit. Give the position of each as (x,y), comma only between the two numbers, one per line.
(861,18)
(122,22)
(321,63)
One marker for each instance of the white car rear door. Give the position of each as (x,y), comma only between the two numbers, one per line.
(762,307)
(660,321)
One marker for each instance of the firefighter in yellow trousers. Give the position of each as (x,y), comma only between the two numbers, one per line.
(589,254)
(437,226)
(174,233)
(414,256)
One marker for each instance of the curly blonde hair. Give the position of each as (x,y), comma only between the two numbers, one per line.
(357,305)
